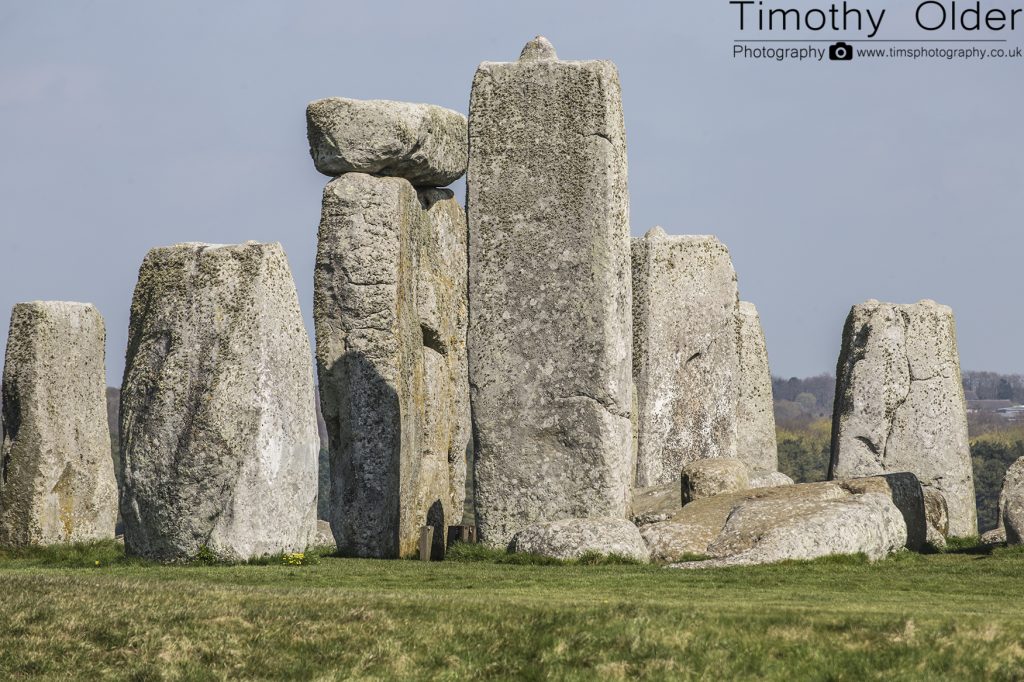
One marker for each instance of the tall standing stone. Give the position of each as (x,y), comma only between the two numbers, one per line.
(549,286)
(218,426)
(900,403)
(390,313)
(685,353)
(56,474)
(755,411)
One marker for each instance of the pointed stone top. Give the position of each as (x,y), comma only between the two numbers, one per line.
(656,233)
(538,49)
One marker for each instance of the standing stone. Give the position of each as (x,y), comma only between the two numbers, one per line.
(755,411)
(900,403)
(390,313)
(1011,502)
(56,474)
(685,355)
(218,427)
(550,298)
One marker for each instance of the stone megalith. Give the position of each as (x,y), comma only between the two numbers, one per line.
(423,143)
(390,313)
(57,480)
(755,410)
(218,425)
(1011,501)
(685,353)
(550,294)
(900,403)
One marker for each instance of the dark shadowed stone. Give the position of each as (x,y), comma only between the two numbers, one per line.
(390,314)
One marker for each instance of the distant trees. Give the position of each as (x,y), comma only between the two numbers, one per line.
(993,386)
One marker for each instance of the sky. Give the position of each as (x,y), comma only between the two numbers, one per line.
(127,125)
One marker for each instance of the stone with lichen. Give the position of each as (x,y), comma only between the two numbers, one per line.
(390,313)
(57,480)
(685,353)
(218,428)
(423,143)
(550,295)
(900,403)
(756,444)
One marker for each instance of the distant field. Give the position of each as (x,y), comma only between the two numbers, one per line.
(949,616)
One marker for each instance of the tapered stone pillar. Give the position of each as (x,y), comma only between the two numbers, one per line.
(550,292)
(900,403)
(57,480)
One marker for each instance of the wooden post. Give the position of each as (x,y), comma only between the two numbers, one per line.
(465,534)
(426,542)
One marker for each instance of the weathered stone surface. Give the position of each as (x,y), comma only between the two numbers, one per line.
(709,477)
(996,536)
(1013,486)
(390,314)
(423,143)
(900,403)
(1013,518)
(772,480)
(324,536)
(937,516)
(56,475)
(755,411)
(906,493)
(550,297)
(685,354)
(218,427)
(656,503)
(572,538)
(766,525)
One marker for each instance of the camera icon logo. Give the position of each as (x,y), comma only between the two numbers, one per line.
(840,52)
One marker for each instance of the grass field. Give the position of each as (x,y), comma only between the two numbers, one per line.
(942,616)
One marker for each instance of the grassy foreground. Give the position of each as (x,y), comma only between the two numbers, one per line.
(948,616)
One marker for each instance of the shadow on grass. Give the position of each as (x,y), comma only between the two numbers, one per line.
(77,555)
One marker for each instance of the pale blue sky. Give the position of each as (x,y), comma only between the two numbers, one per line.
(126,125)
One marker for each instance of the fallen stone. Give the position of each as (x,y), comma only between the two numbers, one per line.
(766,525)
(390,314)
(423,143)
(996,536)
(772,480)
(218,428)
(656,503)
(906,493)
(572,538)
(755,410)
(709,477)
(57,480)
(685,353)
(549,336)
(900,403)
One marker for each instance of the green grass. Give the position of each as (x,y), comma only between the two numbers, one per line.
(951,615)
